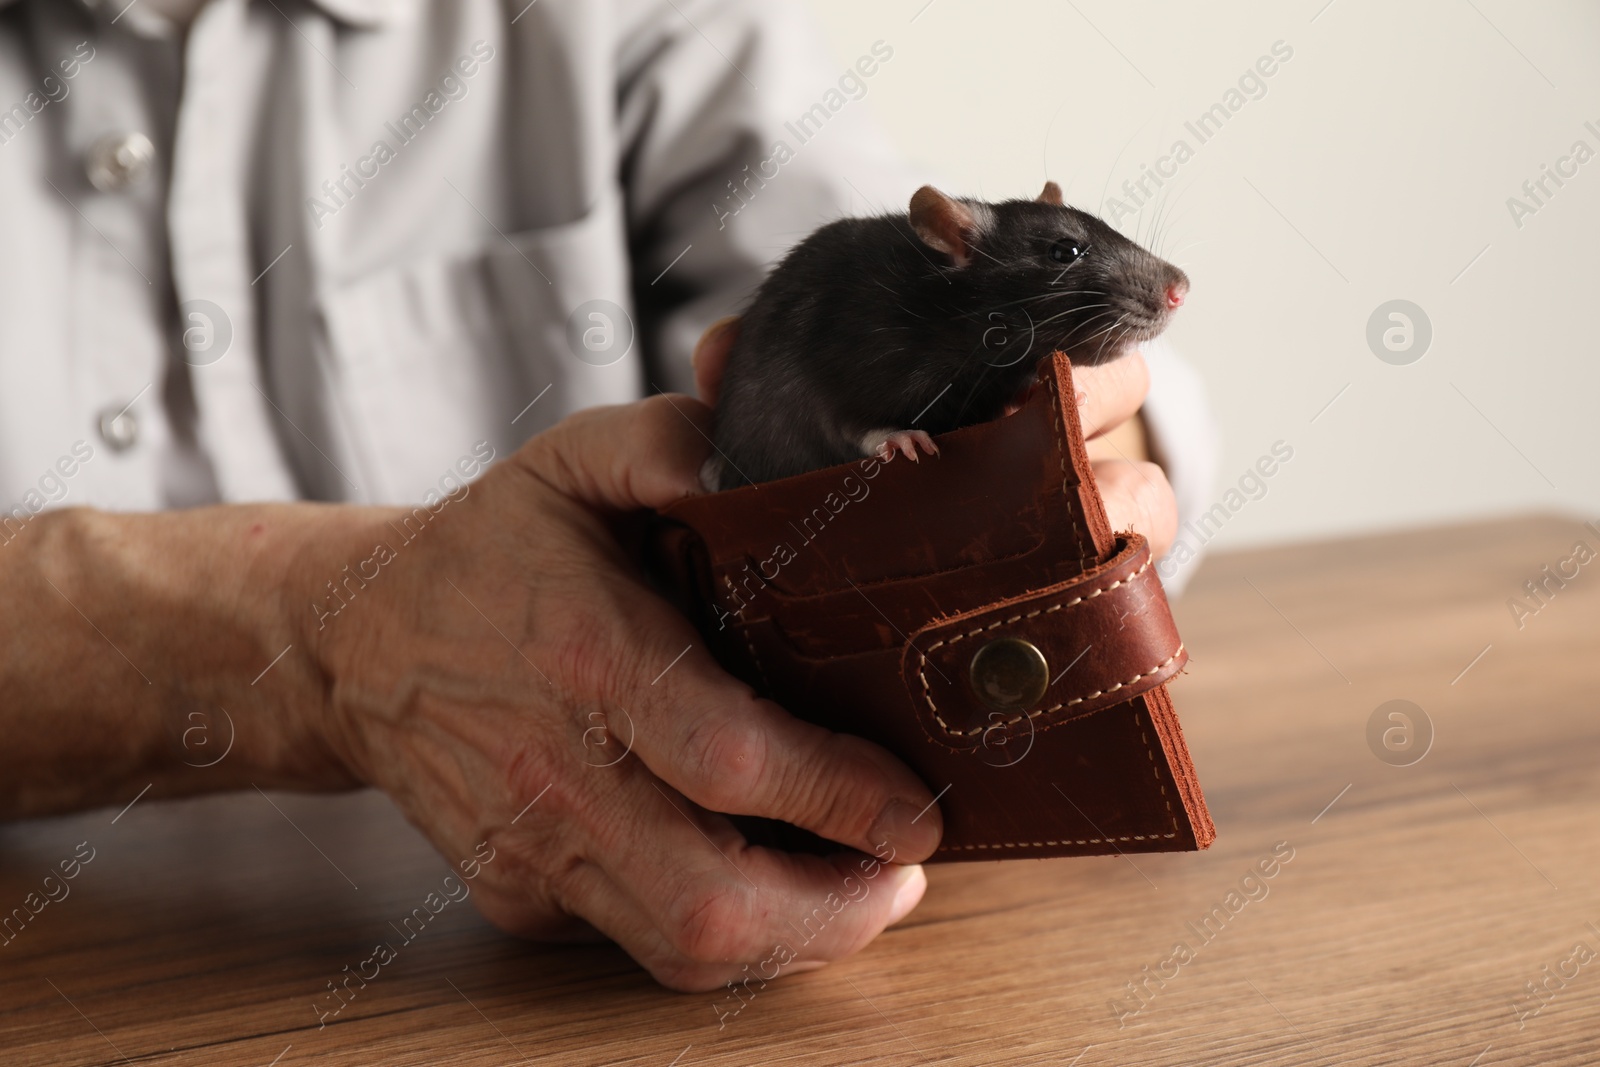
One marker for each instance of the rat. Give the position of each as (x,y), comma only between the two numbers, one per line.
(874,334)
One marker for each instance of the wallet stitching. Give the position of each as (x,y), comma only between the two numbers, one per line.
(1154,768)
(1157,669)
(1045,611)
(927,690)
(1052,844)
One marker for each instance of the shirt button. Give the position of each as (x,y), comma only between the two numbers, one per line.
(119,427)
(118,160)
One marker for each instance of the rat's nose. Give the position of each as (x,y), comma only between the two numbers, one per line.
(1175,294)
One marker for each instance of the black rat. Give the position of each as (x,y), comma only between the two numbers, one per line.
(873,334)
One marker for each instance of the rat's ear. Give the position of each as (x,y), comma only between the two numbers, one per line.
(1051,194)
(945,224)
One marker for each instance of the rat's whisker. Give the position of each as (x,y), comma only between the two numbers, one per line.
(1196,243)
(985,315)
(1107,330)
(1088,320)
(1036,297)
(1069,311)
(1112,170)
(1171,216)
(1160,218)
(1078,335)
(1120,337)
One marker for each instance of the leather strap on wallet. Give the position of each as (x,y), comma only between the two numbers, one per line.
(972,613)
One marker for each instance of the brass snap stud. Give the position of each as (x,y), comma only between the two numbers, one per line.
(1009,674)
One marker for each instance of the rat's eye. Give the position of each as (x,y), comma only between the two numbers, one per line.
(1066,252)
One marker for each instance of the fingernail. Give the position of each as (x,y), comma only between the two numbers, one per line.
(912,832)
(908,894)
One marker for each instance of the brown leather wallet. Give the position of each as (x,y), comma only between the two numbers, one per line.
(972,613)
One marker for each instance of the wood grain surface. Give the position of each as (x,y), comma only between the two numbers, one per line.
(1418,906)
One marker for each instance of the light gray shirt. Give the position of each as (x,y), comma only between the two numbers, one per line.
(324,248)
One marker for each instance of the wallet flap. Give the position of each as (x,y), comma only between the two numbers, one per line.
(1097,640)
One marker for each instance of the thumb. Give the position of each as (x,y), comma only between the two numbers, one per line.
(625,456)
(710,357)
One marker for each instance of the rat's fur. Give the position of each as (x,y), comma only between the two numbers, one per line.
(928,321)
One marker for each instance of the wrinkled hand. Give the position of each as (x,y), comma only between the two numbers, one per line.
(1136,492)
(507,677)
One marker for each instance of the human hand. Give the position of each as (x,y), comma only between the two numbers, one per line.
(1136,493)
(469,677)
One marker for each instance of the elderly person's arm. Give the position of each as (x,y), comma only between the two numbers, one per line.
(459,659)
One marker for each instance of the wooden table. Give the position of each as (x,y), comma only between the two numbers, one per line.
(1419,902)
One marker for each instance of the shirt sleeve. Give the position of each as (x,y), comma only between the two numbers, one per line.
(1184,441)
(740,133)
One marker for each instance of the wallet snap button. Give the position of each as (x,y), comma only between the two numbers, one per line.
(1009,674)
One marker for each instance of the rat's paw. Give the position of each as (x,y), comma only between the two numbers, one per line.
(886,443)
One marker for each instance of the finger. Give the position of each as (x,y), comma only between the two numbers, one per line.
(742,755)
(747,756)
(679,889)
(1138,497)
(1109,394)
(710,357)
(708,736)
(703,907)
(587,891)
(512,911)
(588,898)
(677,945)
(625,456)
(1127,441)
